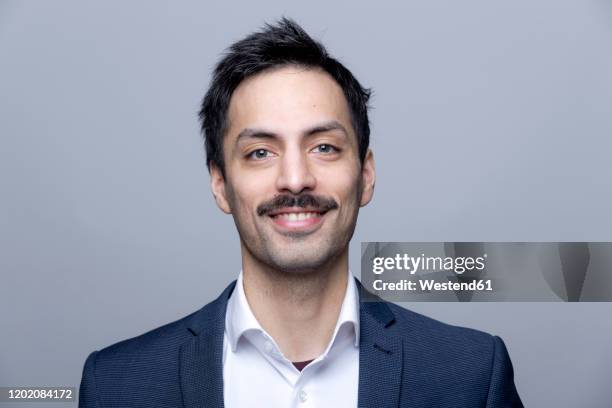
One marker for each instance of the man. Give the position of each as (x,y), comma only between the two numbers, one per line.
(287,137)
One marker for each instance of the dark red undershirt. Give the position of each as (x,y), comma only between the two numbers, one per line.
(301,364)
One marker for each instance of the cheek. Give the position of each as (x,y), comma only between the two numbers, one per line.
(245,200)
(251,188)
(238,195)
(247,197)
(343,187)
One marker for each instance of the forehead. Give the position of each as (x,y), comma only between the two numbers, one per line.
(287,100)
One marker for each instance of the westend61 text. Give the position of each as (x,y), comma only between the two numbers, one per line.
(428,285)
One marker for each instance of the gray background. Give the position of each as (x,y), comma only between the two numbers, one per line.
(491,122)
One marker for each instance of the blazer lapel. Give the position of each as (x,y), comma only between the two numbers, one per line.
(380,356)
(201,359)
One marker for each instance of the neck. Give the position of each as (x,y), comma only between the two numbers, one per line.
(299,310)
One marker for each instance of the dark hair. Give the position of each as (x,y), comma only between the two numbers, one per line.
(284,43)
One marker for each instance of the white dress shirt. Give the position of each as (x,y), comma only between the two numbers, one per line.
(257,374)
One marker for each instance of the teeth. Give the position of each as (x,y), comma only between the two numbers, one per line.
(298,216)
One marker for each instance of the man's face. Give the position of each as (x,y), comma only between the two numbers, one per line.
(294,182)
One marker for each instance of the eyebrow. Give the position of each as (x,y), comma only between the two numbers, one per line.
(320,128)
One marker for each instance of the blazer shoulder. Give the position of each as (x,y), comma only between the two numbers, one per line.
(460,357)
(144,370)
(412,324)
(172,335)
(453,365)
(172,332)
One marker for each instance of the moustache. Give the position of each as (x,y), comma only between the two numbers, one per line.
(315,203)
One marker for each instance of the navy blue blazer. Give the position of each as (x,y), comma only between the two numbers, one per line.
(405,360)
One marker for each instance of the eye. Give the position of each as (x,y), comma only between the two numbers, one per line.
(325,148)
(258,154)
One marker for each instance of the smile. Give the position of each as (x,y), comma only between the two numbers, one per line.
(297,216)
(294,220)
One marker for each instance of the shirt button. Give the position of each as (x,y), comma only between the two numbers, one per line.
(303,396)
(269,347)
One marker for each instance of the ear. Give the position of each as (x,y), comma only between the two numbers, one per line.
(217,185)
(368,178)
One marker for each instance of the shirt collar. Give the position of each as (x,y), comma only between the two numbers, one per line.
(239,317)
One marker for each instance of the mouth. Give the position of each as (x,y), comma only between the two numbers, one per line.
(295,219)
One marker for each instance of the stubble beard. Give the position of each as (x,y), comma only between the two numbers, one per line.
(298,256)
(304,256)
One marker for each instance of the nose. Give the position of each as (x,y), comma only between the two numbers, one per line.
(295,175)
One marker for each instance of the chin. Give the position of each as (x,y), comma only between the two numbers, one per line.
(298,265)
(302,263)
